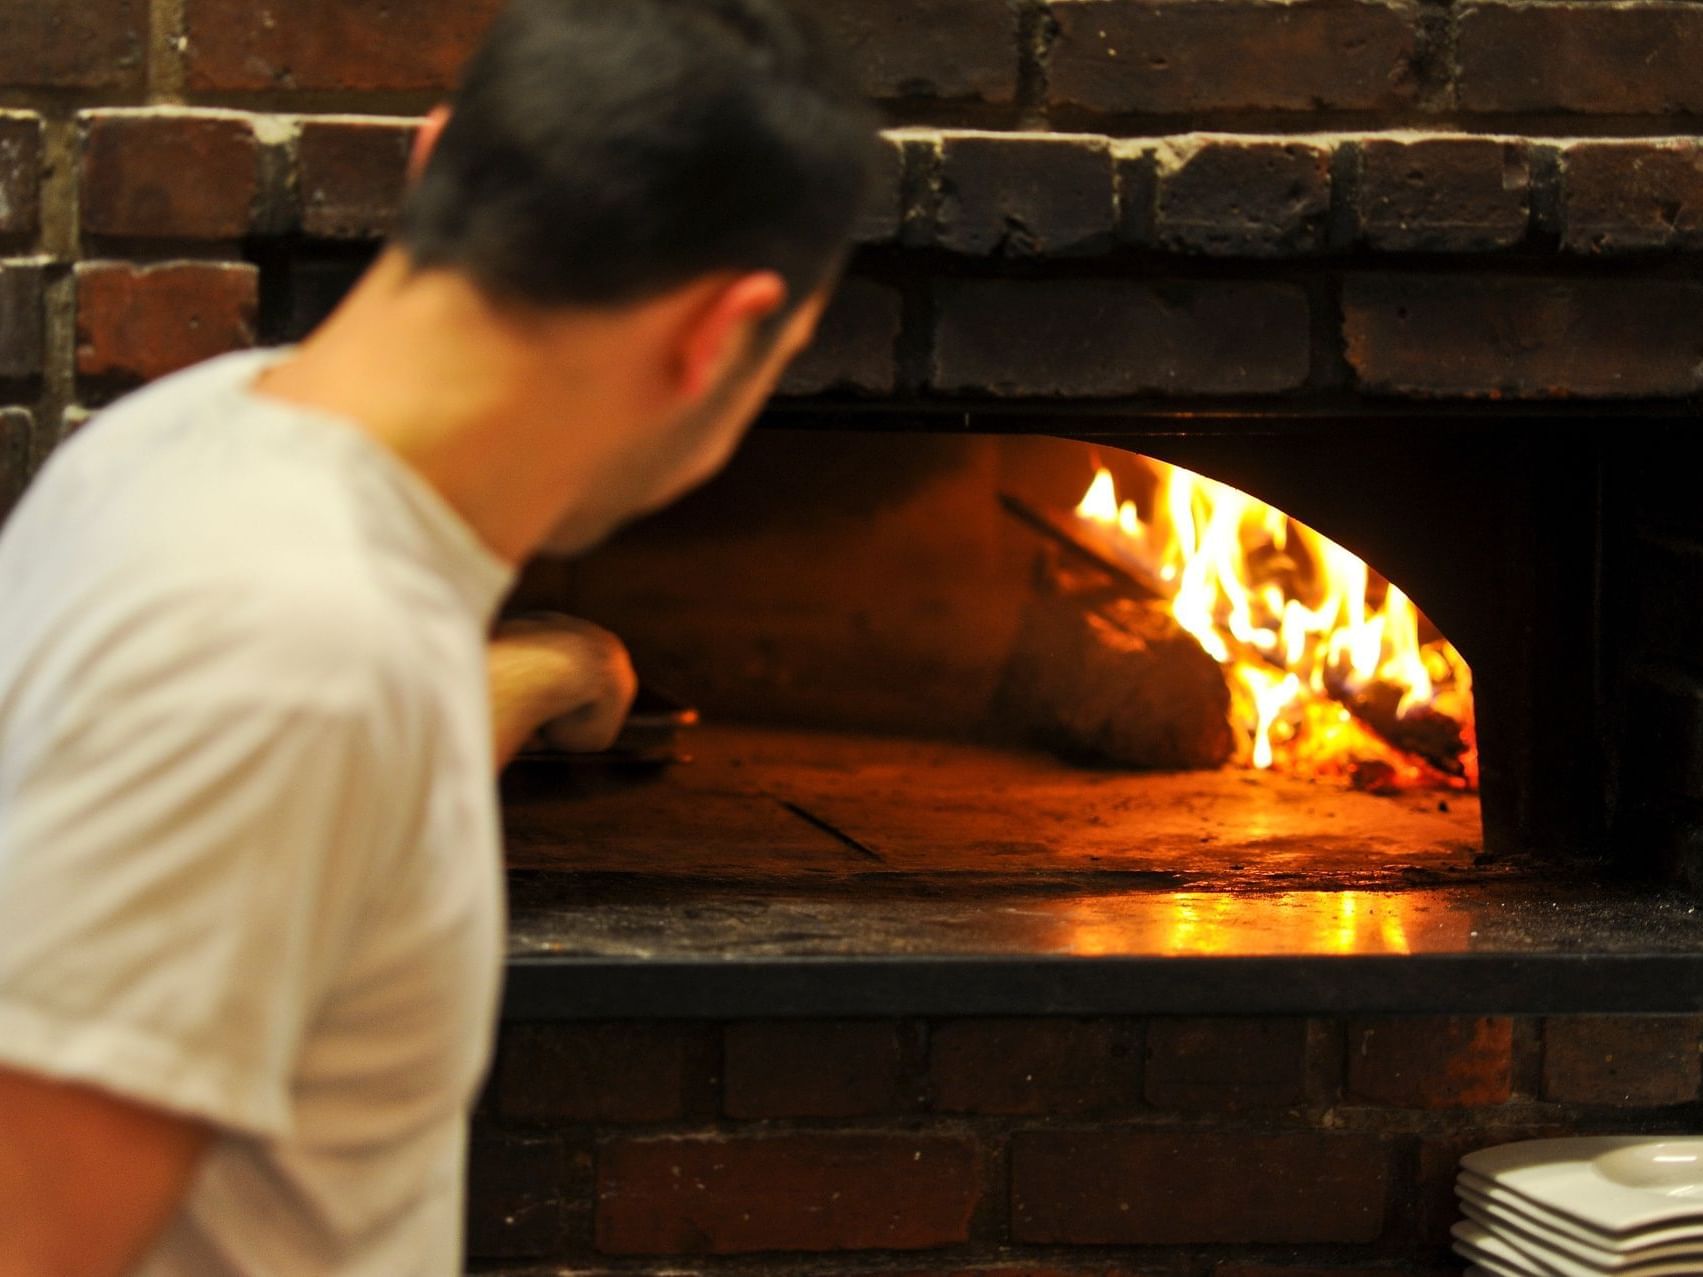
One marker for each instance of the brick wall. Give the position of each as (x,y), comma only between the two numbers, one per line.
(1338,203)
(1330,201)
(1034,1147)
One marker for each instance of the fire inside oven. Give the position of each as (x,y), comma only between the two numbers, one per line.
(1325,668)
(1017,666)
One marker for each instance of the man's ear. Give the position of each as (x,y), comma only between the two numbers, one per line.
(722,331)
(425,142)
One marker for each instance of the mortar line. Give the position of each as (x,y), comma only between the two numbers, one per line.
(1036,30)
(166,41)
(60,247)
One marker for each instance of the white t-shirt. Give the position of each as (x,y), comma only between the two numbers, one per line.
(249,853)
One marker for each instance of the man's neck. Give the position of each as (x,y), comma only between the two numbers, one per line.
(481,402)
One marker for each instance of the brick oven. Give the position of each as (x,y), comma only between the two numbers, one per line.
(863,989)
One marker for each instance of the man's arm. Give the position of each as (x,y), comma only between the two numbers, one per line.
(565,675)
(87,1180)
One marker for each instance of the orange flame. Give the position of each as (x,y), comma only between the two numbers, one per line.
(1301,624)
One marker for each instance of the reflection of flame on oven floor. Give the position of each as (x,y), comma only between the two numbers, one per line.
(1197,923)
(1332,670)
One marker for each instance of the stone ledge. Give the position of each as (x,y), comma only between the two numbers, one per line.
(1589,982)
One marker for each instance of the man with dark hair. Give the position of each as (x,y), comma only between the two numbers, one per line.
(251,927)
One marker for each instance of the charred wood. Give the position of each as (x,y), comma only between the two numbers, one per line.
(1423,731)
(1099,677)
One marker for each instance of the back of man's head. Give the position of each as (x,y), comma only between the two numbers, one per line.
(606,151)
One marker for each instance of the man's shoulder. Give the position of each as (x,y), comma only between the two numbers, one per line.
(173,400)
(144,470)
(179,618)
(322,622)
(178,548)
(285,642)
(193,497)
(207,381)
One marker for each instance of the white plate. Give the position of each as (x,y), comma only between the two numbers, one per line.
(1492,1257)
(1615,1183)
(1540,1251)
(1633,1242)
(1505,1210)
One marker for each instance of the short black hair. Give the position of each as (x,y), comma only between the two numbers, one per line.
(604,151)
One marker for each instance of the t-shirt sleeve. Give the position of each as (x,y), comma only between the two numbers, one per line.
(184,850)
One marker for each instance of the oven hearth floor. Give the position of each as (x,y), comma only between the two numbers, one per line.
(794,873)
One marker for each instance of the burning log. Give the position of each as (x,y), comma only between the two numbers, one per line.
(1254,608)
(1103,678)
(1424,732)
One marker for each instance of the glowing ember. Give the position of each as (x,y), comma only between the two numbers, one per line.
(1332,670)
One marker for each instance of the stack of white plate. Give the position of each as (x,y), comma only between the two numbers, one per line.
(1627,1205)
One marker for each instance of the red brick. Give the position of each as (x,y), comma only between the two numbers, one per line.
(1628,1061)
(1242,197)
(948,49)
(1188,1187)
(614,1072)
(136,323)
(852,1068)
(1023,195)
(1621,196)
(1176,57)
(331,44)
(1226,1064)
(22,320)
(1035,1066)
(956,49)
(818,1192)
(514,1189)
(1613,59)
(1098,337)
(156,174)
(20,172)
(353,174)
(856,347)
(73,44)
(1443,194)
(1526,338)
(17,442)
(1431,1061)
